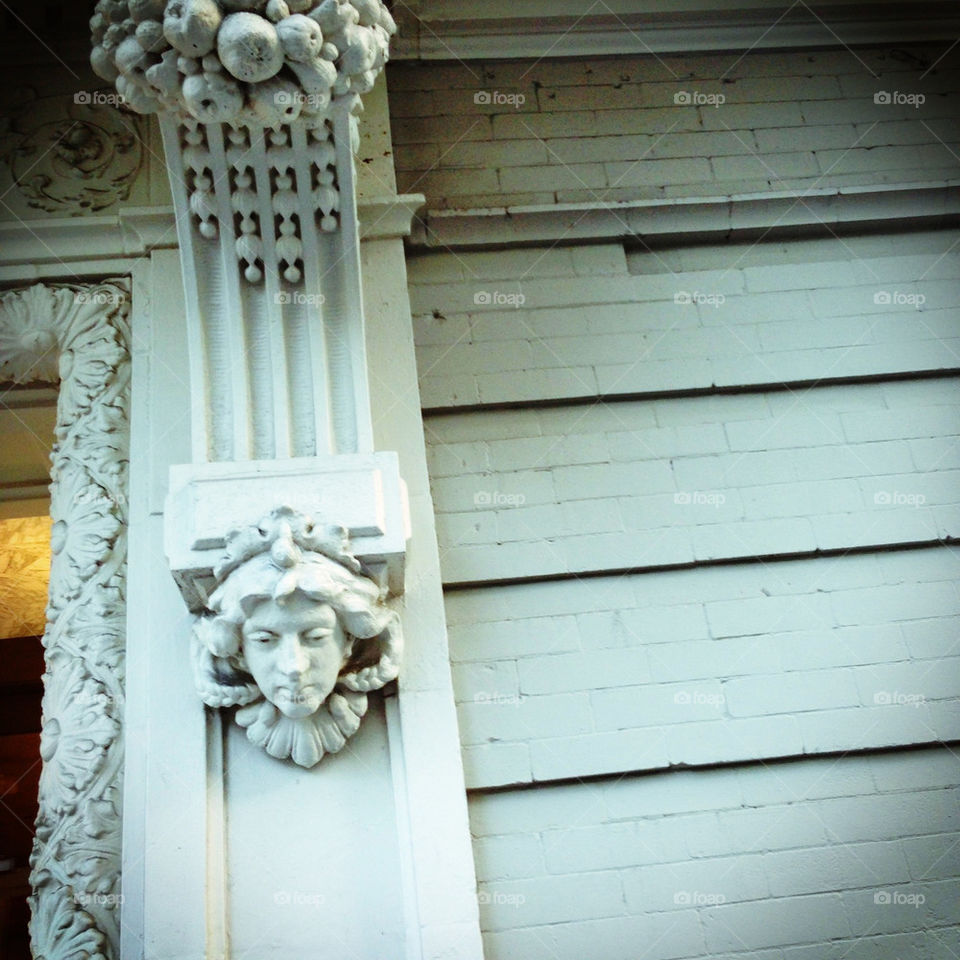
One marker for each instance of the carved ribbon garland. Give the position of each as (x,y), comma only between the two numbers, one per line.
(79,335)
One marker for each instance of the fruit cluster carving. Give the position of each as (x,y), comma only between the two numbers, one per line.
(248,62)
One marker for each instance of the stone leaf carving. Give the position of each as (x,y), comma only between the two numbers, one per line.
(79,335)
(295,635)
(245,63)
(71,156)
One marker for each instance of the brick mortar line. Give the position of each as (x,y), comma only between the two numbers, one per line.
(691,392)
(456,586)
(719,765)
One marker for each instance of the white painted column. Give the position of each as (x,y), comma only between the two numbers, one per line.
(229,851)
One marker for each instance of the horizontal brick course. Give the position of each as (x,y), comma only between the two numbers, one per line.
(769,661)
(822,468)
(746,123)
(794,859)
(572,322)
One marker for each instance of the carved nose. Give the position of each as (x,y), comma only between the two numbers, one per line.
(293,660)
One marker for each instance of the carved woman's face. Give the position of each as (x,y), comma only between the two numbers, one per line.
(294,649)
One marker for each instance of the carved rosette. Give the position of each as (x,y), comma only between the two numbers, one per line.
(80,336)
(71,157)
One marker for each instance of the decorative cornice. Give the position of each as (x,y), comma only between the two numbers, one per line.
(79,335)
(443,30)
(135,231)
(687,217)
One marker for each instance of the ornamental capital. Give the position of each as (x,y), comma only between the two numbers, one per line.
(244,62)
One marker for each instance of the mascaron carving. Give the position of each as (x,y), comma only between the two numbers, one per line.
(80,336)
(296,635)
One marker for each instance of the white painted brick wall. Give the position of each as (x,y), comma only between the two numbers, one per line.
(541,323)
(611,675)
(646,483)
(788,860)
(786,122)
(614,674)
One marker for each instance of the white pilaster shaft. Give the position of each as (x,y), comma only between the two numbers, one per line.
(269,236)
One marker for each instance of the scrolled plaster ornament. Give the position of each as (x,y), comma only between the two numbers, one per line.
(295,635)
(82,334)
(70,156)
(323,50)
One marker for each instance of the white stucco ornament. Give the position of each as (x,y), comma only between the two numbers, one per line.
(221,61)
(296,634)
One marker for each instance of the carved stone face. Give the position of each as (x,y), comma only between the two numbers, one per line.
(294,648)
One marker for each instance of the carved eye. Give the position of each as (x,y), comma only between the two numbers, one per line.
(262,637)
(318,635)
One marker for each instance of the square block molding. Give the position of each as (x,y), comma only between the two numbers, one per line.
(362,492)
